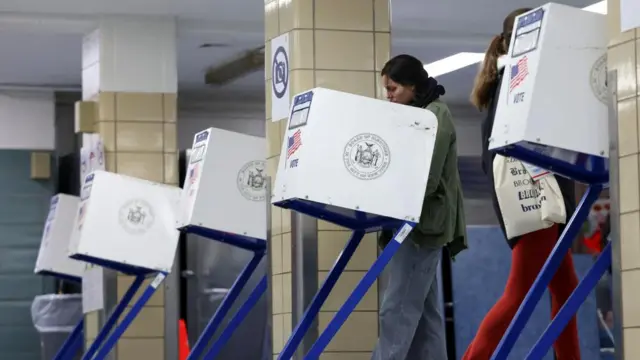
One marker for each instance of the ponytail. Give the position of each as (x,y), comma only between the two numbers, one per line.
(482,93)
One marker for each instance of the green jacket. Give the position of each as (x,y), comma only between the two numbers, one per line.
(442,222)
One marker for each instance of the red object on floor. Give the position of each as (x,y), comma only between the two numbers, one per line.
(183,341)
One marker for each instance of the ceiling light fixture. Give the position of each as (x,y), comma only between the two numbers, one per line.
(464,59)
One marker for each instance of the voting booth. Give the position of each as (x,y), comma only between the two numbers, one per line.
(553,98)
(552,116)
(360,163)
(53,257)
(125,224)
(223,199)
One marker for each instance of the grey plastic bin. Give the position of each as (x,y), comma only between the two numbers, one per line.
(55,316)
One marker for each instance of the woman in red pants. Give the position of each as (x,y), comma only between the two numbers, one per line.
(530,251)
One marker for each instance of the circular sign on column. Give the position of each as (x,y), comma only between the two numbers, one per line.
(280,72)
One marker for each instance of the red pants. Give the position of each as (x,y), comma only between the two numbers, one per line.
(528,257)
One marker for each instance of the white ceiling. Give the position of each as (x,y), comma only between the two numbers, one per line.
(40,39)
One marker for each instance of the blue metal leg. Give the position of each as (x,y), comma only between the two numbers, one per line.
(546,273)
(358,293)
(321,296)
(229,299)
(113,318)
(570,308)
(73,343)
(237,319)
(111,341)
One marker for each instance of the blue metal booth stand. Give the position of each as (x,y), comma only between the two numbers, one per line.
(106,339)
(259,249)
(587,169)
(360,223)
(74,343)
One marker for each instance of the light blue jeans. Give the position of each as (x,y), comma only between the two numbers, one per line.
(411,323)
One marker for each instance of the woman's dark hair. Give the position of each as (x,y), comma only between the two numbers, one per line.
(482,94)
(406,70)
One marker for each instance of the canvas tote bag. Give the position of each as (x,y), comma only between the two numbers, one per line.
(527,203)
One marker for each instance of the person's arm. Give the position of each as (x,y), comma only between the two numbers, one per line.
(440,153)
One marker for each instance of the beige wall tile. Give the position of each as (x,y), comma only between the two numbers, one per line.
(630,295)
(380,91)
(301,80)
(345,356)
(382,15)
(267,61)
(286,293)
(274,138)
(331,244)
(344,15)
(107,106)
(272,166)
(613,24)
(622,57)
(629,184)
(355,49)
(276,220)
(107,131)
(139,349)
(637,42)
(278,333)
(170,103)
(630,240)
(301,49)
(276,254)
(359,332)
(139,107)
(271,26)
(110,161)
(267,97)
(139,137)
(631,344)
(286,221)
(286,252)
(355,82)
(171,174)
(295,14)
(287,325)
(91,325)
(170,138)
(628,126)
(383,49)
(147,166)
(325,225)
(343,289)
(276,289)
(148,324)
(124,282)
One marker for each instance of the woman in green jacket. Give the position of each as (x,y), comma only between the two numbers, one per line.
(411,323)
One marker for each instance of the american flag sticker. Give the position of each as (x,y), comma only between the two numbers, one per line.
(519,72)
(294,143)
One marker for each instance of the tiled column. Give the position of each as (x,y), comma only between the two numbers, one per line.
(129,68)
(340,45)
(623,56)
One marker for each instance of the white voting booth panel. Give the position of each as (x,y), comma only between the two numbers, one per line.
(553,97)
(225,185)
(353,153)
(125,220)
(53,257)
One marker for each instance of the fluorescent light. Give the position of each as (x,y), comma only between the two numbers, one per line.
(453,63)
(464,59)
